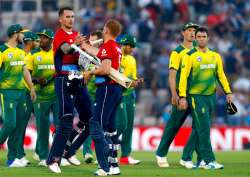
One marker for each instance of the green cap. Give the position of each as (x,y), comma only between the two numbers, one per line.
(128,39)
(16,28)
(190,25)
(47,32)
(29,36)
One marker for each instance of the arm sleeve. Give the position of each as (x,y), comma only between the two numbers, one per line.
(105,53)
(29,62)
(134,69)
(185,71)
(174,62)
(222,77)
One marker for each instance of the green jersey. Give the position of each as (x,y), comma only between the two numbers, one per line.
(41,63)
(11,67)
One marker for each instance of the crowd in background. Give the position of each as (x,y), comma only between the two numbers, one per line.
(157,27)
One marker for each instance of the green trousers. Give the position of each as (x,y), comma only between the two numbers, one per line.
(172,127)
(42,113)
(23,126)
(202,107)
(125,123)
(13,106)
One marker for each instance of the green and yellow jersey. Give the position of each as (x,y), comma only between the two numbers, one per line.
(128,68)
(26,58)
(11,67)
(41,63)
(200,73)
(176,60)
(91,85)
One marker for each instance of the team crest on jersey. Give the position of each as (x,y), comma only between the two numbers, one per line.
(199,59)
(10,55)
(39,58)
(104,53)
(70,40)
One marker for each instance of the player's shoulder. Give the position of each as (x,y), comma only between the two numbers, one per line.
(179,49)
(35,51)
(213,51)
(192,51)
(3,47)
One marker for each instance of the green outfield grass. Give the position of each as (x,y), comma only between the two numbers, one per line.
(237,164)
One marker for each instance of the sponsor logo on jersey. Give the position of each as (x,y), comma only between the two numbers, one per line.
(104,53)
(42,67)
(16,63)
(208,66)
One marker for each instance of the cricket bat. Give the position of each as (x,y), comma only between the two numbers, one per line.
(114,74)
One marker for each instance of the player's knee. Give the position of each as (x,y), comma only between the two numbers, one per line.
(96,131)
(65,124)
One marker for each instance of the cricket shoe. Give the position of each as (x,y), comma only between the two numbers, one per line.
(201,164)
(129,161)
(42,163)
(36,157)
(74,161)
(114,171)
(187,164)
(64,162)
(54,167)
(17,163)
(101,172)
(214,165)
(162,161)
(88,158)
(25,161)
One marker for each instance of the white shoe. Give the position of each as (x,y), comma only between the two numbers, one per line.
(17,163)
(214,165)
(36,157)
(162,162)
(25,161)
(201,164)
(64,162)
(114,171)
(101,172)
(187,164)
(55,168)
(42,163)
(88,158)
(133,161)
(74,161)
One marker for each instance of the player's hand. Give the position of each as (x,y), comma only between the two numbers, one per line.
(85,45)
(87,76)
(42,81)
(79,39)
(175,99)
(183,105)
(137,82)
(33,94)
(229,98)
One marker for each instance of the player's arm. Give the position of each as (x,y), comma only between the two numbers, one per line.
(173,68)
(185,71)
(28,80)
(223,80)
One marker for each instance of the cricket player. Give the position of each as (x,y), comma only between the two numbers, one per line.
(108,96)
(13,93)
(29,45)
(87,151)
(70,91)
(178,117)
(126,109)
(41,66)
(201,69)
